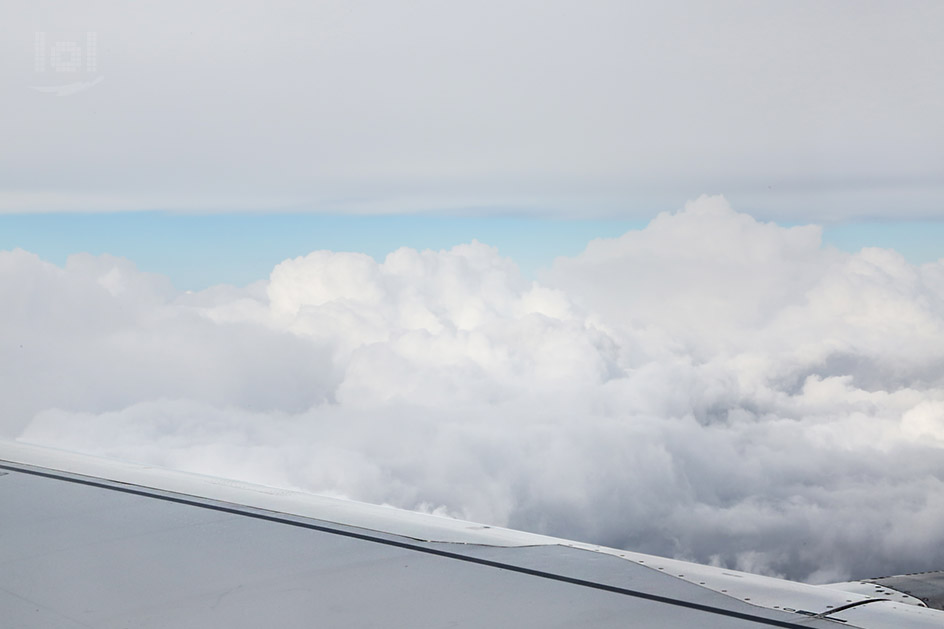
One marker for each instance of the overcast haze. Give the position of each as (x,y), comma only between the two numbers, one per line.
(582,338)
(794,110)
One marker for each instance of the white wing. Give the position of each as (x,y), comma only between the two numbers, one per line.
(91,543)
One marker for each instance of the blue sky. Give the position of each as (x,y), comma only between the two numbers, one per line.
(200,250)
(197,251)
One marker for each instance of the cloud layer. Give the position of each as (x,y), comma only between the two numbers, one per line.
(613,107)
(711,387)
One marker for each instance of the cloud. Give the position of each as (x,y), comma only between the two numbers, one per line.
(796,110)
(711,387)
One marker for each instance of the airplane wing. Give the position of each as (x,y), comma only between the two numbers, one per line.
(86,542)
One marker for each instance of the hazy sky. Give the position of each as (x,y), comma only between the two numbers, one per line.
(793,110)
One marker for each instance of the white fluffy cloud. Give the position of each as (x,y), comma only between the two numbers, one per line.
(710,387)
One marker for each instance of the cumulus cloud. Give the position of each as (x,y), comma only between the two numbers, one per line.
(710,387)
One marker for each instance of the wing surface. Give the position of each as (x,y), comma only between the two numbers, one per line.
(92,543)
